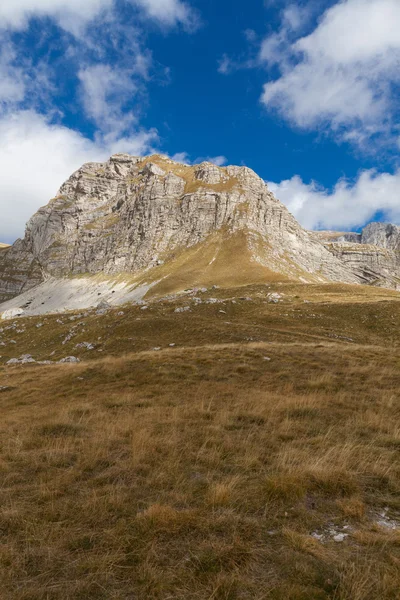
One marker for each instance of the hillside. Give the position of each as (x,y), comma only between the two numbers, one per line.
(226,443)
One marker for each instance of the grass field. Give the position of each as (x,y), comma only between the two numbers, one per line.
(256,458)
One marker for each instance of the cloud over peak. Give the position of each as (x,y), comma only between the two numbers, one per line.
(348,206)
(340,75)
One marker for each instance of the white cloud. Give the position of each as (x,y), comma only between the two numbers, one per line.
(17,13)
(348,206)
(105,91)
(37,157)
(12,80)
(225,65)
(342,73)
(72,15)
(217,160)
(184,157)
(170,12)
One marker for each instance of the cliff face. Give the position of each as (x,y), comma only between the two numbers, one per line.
(132,214)
(372,255)
(19,270)
(151,219)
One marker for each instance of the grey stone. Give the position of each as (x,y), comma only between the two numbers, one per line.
(69,359)
(182,309)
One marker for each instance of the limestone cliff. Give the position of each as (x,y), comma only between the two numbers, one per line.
(133,215)
(372,255)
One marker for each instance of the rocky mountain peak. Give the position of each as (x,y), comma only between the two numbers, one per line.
(384,235)
(152,219)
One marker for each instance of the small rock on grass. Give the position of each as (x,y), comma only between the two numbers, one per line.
(69,359)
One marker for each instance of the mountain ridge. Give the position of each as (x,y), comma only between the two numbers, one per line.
(151,224)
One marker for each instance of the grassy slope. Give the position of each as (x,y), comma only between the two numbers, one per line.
(222,258)
(200,471)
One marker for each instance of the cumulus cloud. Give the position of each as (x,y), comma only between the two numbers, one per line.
(72,15)
(170,12)
(37,156)
(343,73)
(348,206)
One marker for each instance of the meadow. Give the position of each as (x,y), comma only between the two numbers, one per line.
(242,449)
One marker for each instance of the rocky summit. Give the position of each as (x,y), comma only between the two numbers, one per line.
(134,227)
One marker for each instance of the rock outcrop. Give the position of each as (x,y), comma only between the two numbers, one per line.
(128,214)
(19,270)
(372,255)
(143,218)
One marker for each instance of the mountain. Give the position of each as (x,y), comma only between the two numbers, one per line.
(373,255)
(228,442)
(133,226)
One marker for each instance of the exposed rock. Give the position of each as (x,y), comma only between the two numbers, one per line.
(22,360)
(209,173)
(383,235)
(387,522)
(153,169)
(11,313)
(373,255)
(134,215)
(274,297)
(182,309)
(59,295)
(108,218)
(103,304)
(69,359)
(86,345)
(337,533)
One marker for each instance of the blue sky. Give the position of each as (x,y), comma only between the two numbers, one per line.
(304,93)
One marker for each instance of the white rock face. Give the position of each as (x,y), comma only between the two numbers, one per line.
(383,235)
(11,313)
(373,255)
(60,295)
(130,215)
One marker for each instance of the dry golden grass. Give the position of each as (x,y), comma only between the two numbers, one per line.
(211,261)
(201,471)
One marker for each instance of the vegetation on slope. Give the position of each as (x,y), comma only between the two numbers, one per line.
(223,467)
